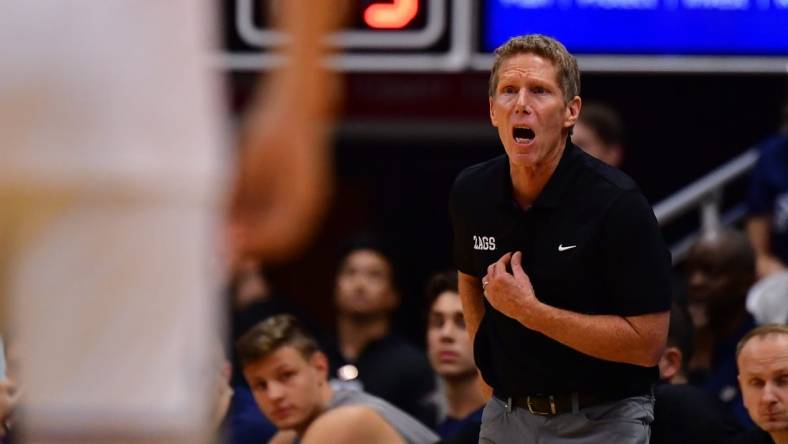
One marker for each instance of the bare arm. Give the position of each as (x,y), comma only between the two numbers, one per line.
(635,340)
(472,311)
(759,232)
(351,424)
(472,304)
(283,179)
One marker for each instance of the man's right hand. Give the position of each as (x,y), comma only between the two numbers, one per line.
(471,295)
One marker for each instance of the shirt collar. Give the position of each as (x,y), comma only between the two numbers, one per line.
(559,181)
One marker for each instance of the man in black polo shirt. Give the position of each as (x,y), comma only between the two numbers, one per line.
(563,272)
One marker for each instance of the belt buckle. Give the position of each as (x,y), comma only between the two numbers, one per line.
(553,409)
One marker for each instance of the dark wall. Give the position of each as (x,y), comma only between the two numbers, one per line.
(405,137)
(680,127)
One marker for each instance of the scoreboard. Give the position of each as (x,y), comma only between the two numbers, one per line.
(660,35)
(401,35)
(403,24)
(707,36)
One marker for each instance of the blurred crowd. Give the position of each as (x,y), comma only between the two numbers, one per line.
(699,398)
(731,282)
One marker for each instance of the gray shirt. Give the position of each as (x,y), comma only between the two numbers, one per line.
(411,430)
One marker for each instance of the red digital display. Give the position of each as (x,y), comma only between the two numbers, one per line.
(391,15)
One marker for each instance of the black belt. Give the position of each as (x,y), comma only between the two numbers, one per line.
(549,405)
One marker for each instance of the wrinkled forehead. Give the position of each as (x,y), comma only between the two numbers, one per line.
(518,62)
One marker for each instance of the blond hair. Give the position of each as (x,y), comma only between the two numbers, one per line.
(271,334)
(543,46)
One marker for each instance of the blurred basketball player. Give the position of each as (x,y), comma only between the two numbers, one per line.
(112,185)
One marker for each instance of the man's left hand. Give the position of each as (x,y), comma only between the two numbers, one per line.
(510,293)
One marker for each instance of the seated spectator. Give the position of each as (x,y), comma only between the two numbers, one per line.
(762,357)
(450,352)
(679,348)
(367,354)
(288,375)
(235,414)
(600,133)
(251,300)
(684,414)
(720,269)
(767,225)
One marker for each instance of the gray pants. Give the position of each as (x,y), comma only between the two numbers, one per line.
(627,421)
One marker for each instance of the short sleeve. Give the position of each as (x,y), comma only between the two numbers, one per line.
(636,259)
(458,208)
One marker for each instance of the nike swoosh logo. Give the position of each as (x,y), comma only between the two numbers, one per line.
(561,247)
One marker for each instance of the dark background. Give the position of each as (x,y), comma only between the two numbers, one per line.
(403,138)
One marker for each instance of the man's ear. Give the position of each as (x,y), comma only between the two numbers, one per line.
(320,363)
(572,111)
(670,363)
(493,118)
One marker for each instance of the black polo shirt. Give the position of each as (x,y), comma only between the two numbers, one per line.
(590,244)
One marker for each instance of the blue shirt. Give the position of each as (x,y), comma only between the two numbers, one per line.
(450,426)
(768,194)
(245,423)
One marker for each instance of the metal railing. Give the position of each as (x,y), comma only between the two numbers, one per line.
(706,194)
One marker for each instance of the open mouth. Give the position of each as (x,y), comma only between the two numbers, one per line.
(523,134)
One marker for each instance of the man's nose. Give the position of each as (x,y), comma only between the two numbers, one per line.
(696,278)
(769,395)
(522,104)
(356,282)
(275,391)
(447,331)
